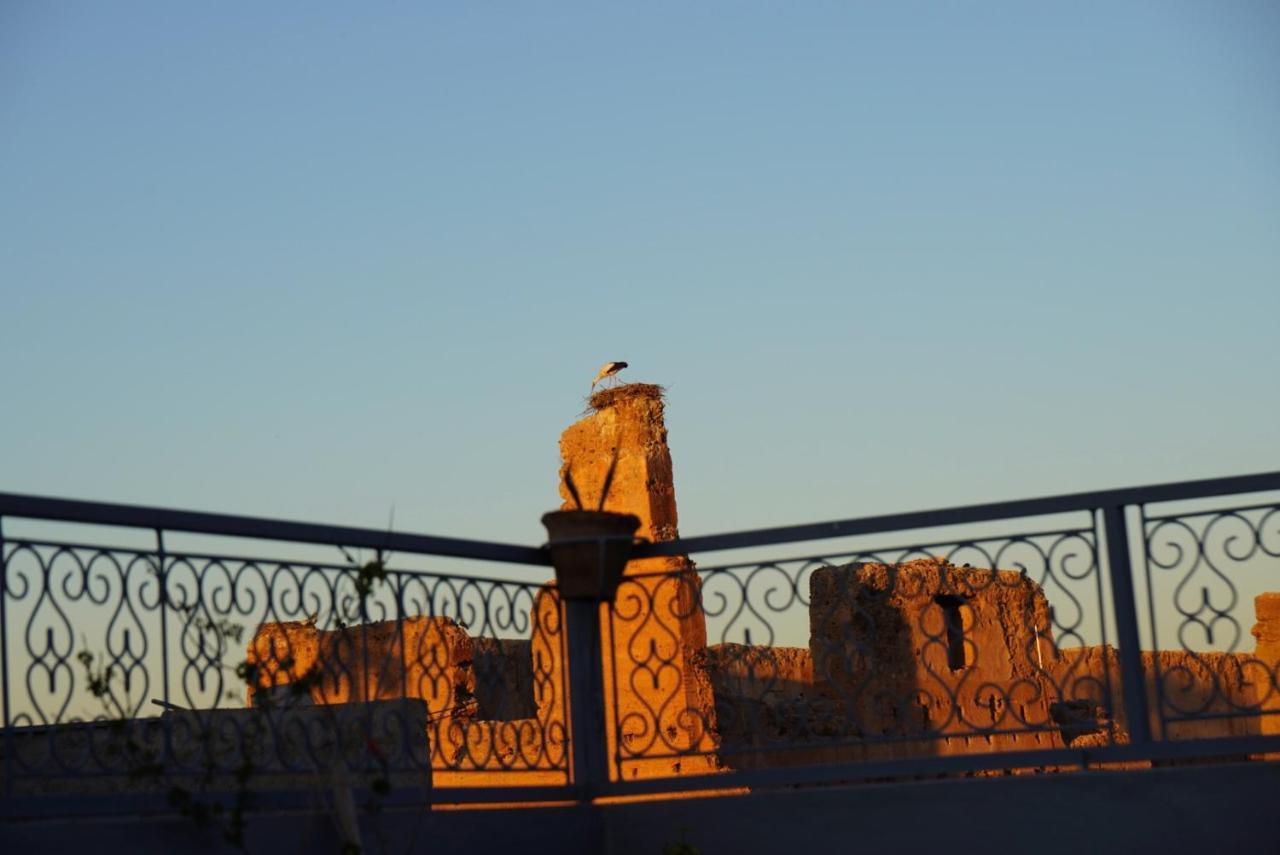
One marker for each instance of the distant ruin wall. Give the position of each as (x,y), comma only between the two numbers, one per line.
(925,658)
(879,656)
(925,648)
(430,658)
(483,725)
(914,659)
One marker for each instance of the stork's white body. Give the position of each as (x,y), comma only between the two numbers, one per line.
(609,369)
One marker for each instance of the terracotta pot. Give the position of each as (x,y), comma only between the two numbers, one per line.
(589,550)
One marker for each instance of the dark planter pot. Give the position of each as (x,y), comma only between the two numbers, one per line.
(589,550)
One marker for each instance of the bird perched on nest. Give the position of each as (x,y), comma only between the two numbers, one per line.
(609,369)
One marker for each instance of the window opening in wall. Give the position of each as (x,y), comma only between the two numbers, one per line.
(953,623)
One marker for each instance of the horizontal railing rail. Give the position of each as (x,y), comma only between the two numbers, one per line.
(231,525)
(234,525)
(991,511)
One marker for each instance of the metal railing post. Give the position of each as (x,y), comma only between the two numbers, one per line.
(4,666)
(589,551)
(586,696)
(1133,681)
(162,580)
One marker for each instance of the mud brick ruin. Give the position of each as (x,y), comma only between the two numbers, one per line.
(918,658)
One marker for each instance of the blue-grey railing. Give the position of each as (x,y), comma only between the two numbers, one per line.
(164,636)
(1066,503)
(1128,557)
(1088,563)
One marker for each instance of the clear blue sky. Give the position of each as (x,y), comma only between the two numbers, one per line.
(317,260)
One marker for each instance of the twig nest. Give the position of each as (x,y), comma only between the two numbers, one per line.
(609,397)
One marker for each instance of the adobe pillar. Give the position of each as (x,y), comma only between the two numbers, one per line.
(658,697)
(1267,632)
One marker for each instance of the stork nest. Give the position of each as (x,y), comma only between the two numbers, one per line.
(609,397)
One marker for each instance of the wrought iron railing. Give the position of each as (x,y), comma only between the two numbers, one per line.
(197,647)
(1101,629)
(1098,629)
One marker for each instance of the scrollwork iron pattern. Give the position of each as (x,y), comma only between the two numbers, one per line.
(976,645)
(1202,570)
(120,663)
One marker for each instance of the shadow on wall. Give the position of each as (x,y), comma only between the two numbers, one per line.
(848,697)
(504,679)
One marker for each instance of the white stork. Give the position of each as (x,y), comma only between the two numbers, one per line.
(609,369)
